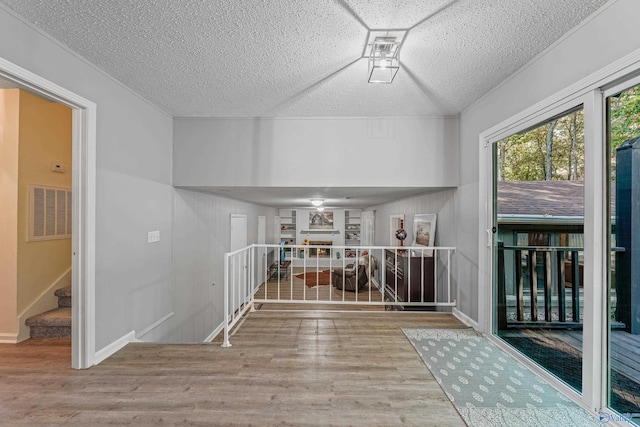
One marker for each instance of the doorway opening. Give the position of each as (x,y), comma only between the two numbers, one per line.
(37,199)
(83,170)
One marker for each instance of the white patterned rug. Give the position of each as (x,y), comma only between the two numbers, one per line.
(490,388)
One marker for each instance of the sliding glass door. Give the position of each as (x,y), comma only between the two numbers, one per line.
(538,243)
(564,263)
(623,355)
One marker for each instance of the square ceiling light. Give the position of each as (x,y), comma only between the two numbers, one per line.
(383,49)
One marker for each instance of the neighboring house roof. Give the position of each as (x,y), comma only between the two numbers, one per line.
(541,198)
(544,199)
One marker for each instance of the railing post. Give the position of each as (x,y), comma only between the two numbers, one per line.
(252,280)
(519,286)
(502,292)
(225,298)
(449,275)
(435,275)
(533,281)
(547,285)
(562,311)
(575,286)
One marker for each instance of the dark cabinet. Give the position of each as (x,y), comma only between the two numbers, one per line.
(408,278)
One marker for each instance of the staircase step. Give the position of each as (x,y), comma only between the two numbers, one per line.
(54,323)
(64,296)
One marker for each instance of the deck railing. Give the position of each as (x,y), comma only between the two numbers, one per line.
(518,276)
(397,278)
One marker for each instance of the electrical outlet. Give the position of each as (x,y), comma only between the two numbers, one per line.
(153,236)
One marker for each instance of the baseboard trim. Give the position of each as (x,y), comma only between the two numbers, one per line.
(465,319)
(114,347)
(215,332)
(154,325)
(8,338)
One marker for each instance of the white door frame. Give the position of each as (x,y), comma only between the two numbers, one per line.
(588,92)
(84,203)
(591,384)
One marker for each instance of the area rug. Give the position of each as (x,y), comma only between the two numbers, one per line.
(490,388)
(315,278)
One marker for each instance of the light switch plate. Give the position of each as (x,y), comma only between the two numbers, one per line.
(153,236)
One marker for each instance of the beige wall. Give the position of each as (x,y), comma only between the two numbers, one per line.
(8,214)
(45,137)
(34,133)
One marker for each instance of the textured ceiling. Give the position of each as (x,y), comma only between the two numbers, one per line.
(250,58)
(303,58)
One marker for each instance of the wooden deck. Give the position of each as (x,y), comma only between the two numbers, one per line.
(285,368)
(625,350)
(625,359)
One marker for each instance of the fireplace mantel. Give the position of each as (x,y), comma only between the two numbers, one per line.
(308,232)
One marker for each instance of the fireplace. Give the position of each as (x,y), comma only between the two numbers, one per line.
(320,252)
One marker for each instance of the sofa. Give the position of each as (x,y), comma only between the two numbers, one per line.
(350,278)
(354,277)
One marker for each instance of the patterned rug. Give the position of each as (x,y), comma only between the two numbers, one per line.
(490,388)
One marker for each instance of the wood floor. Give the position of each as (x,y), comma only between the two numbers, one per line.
(286,368)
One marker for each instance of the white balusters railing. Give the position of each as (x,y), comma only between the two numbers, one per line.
(395,278)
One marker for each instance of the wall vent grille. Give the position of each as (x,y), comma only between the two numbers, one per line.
(49,213)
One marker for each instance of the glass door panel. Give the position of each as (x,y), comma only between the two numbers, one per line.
(623,125)
(538,274)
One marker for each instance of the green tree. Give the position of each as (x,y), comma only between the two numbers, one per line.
(624,121)
(624,117)
(552,151)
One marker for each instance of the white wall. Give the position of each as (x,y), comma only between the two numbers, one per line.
(604,38)
(413,151)
(440,202)
(134,193)
(201,236)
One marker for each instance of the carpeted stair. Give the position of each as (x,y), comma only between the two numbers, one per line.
(54,323)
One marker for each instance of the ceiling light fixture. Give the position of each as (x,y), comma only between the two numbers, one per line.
(317,202)
(384,61)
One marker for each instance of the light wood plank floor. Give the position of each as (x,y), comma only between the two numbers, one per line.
(285,368)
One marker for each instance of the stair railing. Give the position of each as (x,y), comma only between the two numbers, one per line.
(238,287)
